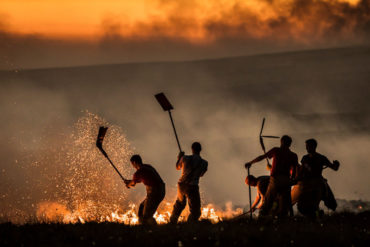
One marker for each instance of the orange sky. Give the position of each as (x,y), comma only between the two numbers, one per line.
(67,17)
(84,18)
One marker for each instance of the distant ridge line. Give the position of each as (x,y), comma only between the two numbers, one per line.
(268,54)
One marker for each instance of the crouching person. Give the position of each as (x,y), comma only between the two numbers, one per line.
(193,167)
(155,189)
(262,184)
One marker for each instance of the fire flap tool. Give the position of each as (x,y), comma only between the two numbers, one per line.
(166,105)
(263,145)
(261,136)
(99,144)
(250,197)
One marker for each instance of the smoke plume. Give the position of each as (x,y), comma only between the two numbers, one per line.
(187,30)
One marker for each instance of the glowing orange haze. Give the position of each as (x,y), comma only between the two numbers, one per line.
(139,18)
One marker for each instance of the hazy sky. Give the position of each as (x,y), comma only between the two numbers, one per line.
(64,33)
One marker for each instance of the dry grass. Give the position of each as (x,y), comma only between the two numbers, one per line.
(345,229)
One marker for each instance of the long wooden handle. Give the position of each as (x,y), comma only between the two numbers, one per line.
(115,168)
(250,197)
(174,130)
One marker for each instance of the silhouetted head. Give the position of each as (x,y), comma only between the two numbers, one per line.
(251,180)
(136,161)
(286,141)
(196,148)
(311,145)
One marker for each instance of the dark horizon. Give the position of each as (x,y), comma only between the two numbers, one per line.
(329,49)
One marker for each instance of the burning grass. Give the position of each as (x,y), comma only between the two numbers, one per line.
(83,204)
(53,212)
(75,183)
(345,229)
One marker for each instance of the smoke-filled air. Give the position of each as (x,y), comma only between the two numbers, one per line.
(166,30)
(69,67)
(51,117)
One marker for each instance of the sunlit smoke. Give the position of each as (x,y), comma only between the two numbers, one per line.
(182,30)
(206,22)
(203,21)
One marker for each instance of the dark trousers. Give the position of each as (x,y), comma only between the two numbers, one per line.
(190,193)
(277,191)
(310,195)
(328,196)
(147,208)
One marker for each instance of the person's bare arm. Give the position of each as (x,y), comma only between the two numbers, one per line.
(261,202)
(269,155)
(205,168)
(335,165)
(179,160)
(130,183)
(258,159)
(294,170)
(256,201)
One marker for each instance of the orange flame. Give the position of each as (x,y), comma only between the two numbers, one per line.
(53,212)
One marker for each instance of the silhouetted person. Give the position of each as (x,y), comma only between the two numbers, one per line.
(312,187)
(155,189)
(262,184)
(193,167)
(282,172)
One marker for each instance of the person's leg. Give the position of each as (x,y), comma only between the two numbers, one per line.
(179,205)
(194,203)
(141,210)
(317,195)
(295,194)
(290,203)
(285,202)
(329,198)
(307,199)
(151,205)
(269,198)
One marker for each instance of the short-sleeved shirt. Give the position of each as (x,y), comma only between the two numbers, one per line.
(283,161)
(313,165)
(262,184)
(193,167)
(147,175)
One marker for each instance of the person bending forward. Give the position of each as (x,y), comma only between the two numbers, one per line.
(155,189)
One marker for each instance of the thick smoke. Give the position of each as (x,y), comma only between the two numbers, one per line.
(183,30)
(320,94)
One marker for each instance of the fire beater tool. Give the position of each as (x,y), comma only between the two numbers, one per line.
(166,105)
(268,162)
(250,198)
(263,145)
(99,144)
(264,151)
